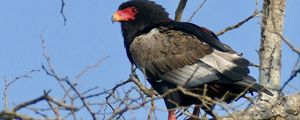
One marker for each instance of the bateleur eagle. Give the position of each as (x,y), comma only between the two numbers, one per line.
(172,54)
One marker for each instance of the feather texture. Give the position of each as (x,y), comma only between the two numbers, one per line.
(183,59)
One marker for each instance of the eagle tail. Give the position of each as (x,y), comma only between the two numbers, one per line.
(249,82)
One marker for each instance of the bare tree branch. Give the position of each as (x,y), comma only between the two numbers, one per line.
(30,102)
(62,7)
(180,9)
(36,111)
(270,48)
(254,14)
(51,71)
(197,10)
(46,97)
(55,111)
(89,67)
(294,48)
(7,84)
(5,98)
(295,71)
(113,89)
(13,116)
(26,75)
(82,99)
(85,70)
(152,109)
(136,81)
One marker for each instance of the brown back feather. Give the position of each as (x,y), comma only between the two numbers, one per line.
(160,53)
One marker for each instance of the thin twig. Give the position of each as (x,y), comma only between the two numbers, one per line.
(112,90)
(30,102)
(62,7)
(152,109)
(136,81)
(255,13)
(197,10)
(55,111)
(36,111)
(5,98)
(51,71)
(46,56)
(118,112)
(7,84)
(89,90)
(295,71)
(84,71)
(26,75)
(254,65)
(46,97)
(82,100)
(61,104)
(88,68)
(112,93)
(294,48)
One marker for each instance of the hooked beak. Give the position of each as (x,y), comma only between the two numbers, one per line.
(123,16)
(116,17)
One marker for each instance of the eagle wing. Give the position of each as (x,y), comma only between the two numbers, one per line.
(184,58)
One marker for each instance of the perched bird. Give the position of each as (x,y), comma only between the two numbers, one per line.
(172,54)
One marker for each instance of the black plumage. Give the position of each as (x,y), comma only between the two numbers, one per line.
(172,54)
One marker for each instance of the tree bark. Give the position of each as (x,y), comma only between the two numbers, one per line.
(276,107)
(270,48)
(285,108)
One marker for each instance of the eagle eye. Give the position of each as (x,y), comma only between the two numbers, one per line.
(134,9)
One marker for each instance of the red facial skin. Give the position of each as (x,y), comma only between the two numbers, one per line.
(125,15)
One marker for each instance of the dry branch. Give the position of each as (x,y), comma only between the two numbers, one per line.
(284,108)
(295,71)
(152,108)
(30,102)
(197,10)
(7,84)
(136,81)
(14,116)
(64,82)
(294,48)
(254,14)
(46,97)
(82,99)
(26,75)
(270,48)
(113,89)
(62,8)
(84,71)
(180,9)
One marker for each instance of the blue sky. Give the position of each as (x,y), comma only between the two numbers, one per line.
(89,36)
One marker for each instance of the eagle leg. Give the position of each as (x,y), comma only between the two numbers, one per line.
(172,115)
